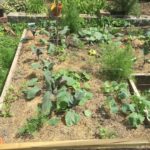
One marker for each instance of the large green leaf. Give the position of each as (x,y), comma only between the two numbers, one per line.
(127,108)
(135,119)
(50,83)
(112,104)
(51,48)
(47,103)
(64,99)
(32,82)
(48,65)
(54,121)
(32,92)
(82,96)
(72,118)
(71,82)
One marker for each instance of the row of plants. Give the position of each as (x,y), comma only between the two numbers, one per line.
(92,7)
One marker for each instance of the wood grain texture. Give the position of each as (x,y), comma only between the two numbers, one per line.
(81,144)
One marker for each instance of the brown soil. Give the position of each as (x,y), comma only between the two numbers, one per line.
(87,128)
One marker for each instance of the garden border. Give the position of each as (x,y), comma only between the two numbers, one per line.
(143,20)
(115,144)
(11,71)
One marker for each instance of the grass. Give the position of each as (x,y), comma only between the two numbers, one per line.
(8,45)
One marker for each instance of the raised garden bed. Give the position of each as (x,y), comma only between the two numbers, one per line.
(77,62)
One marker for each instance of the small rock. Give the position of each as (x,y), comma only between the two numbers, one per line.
(29,35)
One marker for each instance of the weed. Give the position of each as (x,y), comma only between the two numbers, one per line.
(105,133)
(10,97)
(32,125)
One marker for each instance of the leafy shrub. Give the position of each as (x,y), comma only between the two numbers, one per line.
(117,61)
(127,6)
(90,7)
(36,6)
(70,16)
(14,5)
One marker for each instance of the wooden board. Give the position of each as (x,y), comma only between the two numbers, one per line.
(81,144)
(133,84)
(11,71)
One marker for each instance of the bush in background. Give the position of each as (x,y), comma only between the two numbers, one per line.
(127,7)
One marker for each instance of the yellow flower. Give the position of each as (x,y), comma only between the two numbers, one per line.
(92,52)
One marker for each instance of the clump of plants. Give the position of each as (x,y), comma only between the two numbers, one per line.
(70,16)
(90,7)
(126,7)
(106,133)
(116,61)
(64,90)
(136,109)
(30,6)
(94,34)
(14,5)
(32,125)
(36,6)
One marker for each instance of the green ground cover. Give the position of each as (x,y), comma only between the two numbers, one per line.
(8,45)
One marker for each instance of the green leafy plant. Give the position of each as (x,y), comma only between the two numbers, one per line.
(32,125)
(127,7)
(36,6)
(119,99)
(93,34)
(92,7)
(10,97)
(14,6)
(54,121)
(63,92)
(114,64)
(147,46)
(70,16)
(32,89)
(105,133)
(71,118)
(87,113)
